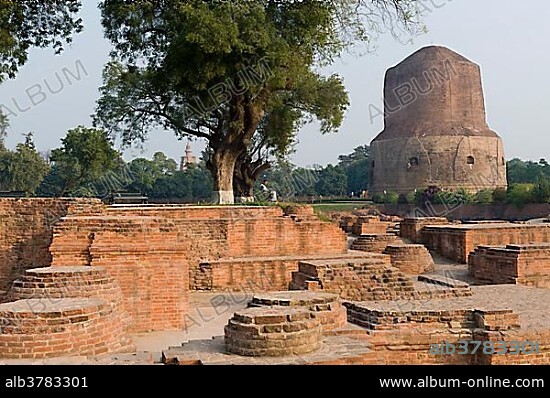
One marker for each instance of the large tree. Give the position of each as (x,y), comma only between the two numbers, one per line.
(226,70)
(27,24)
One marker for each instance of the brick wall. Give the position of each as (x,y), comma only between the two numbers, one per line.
(406,338)
(375,243)
(26,231)
(517,264)
(410,227)
(155,253)
(254,274)
(508,212)
(456,242)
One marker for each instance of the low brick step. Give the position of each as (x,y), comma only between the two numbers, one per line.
(373,318)
(396,315)
(179,356)
(327,307)
(443,281)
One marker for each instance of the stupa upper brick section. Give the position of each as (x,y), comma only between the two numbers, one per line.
(435,128)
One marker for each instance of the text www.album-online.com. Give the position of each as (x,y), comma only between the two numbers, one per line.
(485,382)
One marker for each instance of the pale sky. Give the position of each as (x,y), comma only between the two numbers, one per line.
(507,38)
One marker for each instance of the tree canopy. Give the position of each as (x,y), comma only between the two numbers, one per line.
(86,154)
(27,24)
(22,169)
(235,73)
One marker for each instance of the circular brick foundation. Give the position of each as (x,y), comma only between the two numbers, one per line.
(273,332)
(375,243)
(327,307)
(411,259)
(68,282)
(44,328)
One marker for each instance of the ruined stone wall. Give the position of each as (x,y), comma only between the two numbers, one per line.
(370,225)
(26,231)
(457,242)
(517,264)
(148,257)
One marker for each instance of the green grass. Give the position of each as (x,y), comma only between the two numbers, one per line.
(334,207)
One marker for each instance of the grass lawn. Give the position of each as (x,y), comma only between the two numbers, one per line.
(334,207)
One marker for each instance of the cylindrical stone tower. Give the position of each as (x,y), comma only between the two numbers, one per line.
(436,133)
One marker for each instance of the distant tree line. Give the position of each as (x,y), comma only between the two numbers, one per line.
(87,164)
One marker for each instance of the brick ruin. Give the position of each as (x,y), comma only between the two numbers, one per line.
(375,243)
(456,242)
(368,280)
(327,307)
(365,225)
(71,311)
(26,232)
(411,227)
(273,332)
(410,259)
(395,332)
(90,276)
(527,265)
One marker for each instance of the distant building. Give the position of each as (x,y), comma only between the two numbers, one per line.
(436,132)
(188,158)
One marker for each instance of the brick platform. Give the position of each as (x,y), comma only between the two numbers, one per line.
(386,316)
(354,280)
(375,243)
(256,274)
(367,279)
(516,264)
(326,307)
(69,282)
(273,332)
(39,328)
(458,241)
(369,225)
(335,350)
(411,259)
(410,228)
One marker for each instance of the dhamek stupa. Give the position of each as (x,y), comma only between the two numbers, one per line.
(435,128)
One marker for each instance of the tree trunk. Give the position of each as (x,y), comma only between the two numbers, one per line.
(243,186)
(246,175)
(222,165)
